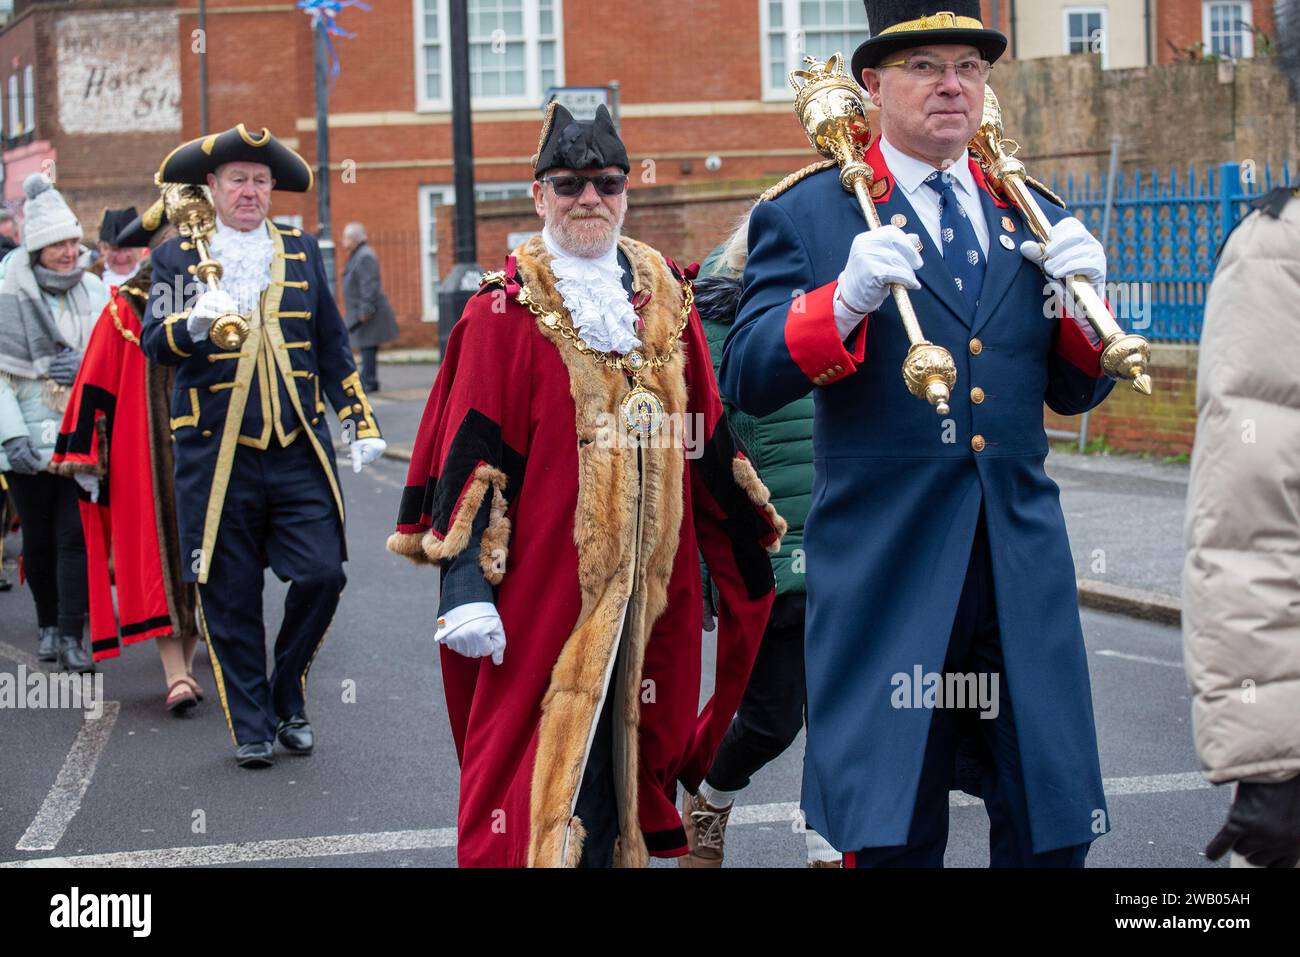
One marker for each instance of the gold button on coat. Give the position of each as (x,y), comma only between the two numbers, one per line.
(976,347)
(977,395)
(977,443)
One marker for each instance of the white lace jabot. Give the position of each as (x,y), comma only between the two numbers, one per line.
(245,262)
(593,293)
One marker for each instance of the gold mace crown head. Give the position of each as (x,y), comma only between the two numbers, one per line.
(820,79)
(189,207)
(829,105)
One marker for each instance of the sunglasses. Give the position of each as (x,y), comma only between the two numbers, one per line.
(607,184)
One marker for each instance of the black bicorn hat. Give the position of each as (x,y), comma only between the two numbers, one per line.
(192,162)
(901,24)
(113,222)
(574,144)
(139,232)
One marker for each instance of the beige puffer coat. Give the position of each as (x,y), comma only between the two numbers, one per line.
(1241,579)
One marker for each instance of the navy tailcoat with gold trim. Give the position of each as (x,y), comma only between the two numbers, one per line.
(274,389)
(897,495)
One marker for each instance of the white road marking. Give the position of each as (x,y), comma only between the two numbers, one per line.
(18,656)
(1164,662)
(332,846)
(339,845)
(64,800)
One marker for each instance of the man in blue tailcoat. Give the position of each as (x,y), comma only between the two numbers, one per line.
(256,482)
(941,590)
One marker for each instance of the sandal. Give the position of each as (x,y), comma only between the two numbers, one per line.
(180,696)
(194,684)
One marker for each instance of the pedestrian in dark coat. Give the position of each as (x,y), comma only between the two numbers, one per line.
(370,318)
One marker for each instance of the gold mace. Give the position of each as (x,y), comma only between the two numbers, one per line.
(829,105)
(190,209)
(1124,355)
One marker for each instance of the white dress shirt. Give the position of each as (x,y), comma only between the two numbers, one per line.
(910,174)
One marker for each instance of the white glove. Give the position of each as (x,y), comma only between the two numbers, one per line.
(473,630)
(1072,251)
(365,451)
(877,259)
(210,305)
(89,484)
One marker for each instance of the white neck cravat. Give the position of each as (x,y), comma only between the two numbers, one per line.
(593,293)
(117,278)
(245,262)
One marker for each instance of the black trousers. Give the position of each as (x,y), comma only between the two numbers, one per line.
(974,646)
(279,512)
(370,368)
(772,709)
(597,803)
(54,549)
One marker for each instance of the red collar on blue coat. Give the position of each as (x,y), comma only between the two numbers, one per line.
(875,158)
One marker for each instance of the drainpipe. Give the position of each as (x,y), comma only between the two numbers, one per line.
(1147,18)
(997,15)
(1015,46)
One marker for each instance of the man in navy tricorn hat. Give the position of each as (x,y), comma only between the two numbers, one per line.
(256,482)
(941,588)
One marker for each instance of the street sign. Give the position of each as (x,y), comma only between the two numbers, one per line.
(581,101)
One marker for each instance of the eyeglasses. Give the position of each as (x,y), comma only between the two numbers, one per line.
(926,70)
(607,184)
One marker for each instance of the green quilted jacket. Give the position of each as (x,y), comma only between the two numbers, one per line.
(779,445)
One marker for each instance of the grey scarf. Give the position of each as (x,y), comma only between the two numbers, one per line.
(29,333)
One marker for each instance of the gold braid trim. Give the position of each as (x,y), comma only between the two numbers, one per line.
(546,131)
(1045,191)
(126,333)
(795,177)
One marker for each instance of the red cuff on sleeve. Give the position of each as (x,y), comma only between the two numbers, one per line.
(814,341)
(1074,347)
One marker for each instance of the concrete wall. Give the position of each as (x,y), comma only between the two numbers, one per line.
(1063,112)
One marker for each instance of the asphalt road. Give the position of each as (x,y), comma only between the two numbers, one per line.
(381,787)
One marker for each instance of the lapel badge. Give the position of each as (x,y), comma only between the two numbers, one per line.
(879,188)
(1008,242)
(920,246)
(1008,224)
(899,220)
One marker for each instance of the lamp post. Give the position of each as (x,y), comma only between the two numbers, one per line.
(323,237)
(462,282)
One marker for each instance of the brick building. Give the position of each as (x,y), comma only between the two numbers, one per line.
(91,96)
(1133,33)
(1194,28)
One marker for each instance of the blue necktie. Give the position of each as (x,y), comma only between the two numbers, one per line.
(961,247)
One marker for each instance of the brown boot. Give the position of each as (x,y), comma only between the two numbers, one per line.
(835,864)
(706,829)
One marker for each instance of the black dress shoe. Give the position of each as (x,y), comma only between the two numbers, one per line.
(259,755)
(49,644)
(73,655)
(295,734)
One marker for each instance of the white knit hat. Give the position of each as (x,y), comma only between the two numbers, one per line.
(46,217)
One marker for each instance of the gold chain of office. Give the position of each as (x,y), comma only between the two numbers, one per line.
(642,408)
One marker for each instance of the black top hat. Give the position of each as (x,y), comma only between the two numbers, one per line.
(193,161)
(902,24)
(113,222)
(140,231)
(571,144)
